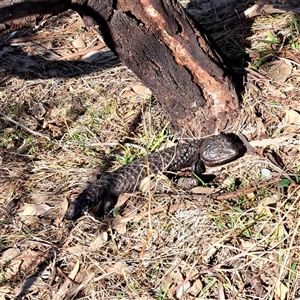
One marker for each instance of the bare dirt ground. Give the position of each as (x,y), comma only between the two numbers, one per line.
(70,110)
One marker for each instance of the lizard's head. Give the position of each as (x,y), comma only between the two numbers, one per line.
(217,150)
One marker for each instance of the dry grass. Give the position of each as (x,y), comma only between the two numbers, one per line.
(188,246)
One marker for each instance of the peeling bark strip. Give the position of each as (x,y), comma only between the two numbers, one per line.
(160,43)
(176,39)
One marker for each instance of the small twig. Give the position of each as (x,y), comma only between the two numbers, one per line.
(154,211)
(288,60)
(83,52)
(19,154)
(42,35)
(60,271)
(7,213)
(255,75)
(24,127)
(109,144)
(237,193)
(246,143)
(244,191)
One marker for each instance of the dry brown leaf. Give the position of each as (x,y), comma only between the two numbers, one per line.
(79,43)
(249,245)
(8,255)
(204,190)
(119,225)
(291,117)
(227,182)
(122,199)
(31,259)
(55,129)
(267,142)
(167,144)
(34,209)
(39,198)
(117,267)
(31,220)
(78,249)
(63,52)
(86,275)
(159,182)
(281,291)
(207,254)
(64,288)
(75,270)
(100,241)
(140,89)
(27,261)
(290,129)
(278,70)
(62,212)
(2,297)
(290,149)
(144,185)
(196,288)
(290,122)
(276,94)
(182,289)
(268,206)
(288,88)
(172,279)
(47,44)
(12,270)
(129,94)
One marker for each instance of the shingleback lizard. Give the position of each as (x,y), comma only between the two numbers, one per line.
(104,192)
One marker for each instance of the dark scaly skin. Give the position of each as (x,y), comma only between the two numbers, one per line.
(104,192)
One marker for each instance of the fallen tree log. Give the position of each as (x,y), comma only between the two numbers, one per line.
(165,48)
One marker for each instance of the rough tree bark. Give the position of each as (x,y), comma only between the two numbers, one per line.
(163,46)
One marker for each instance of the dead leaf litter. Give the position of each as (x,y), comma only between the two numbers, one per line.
(63,83)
